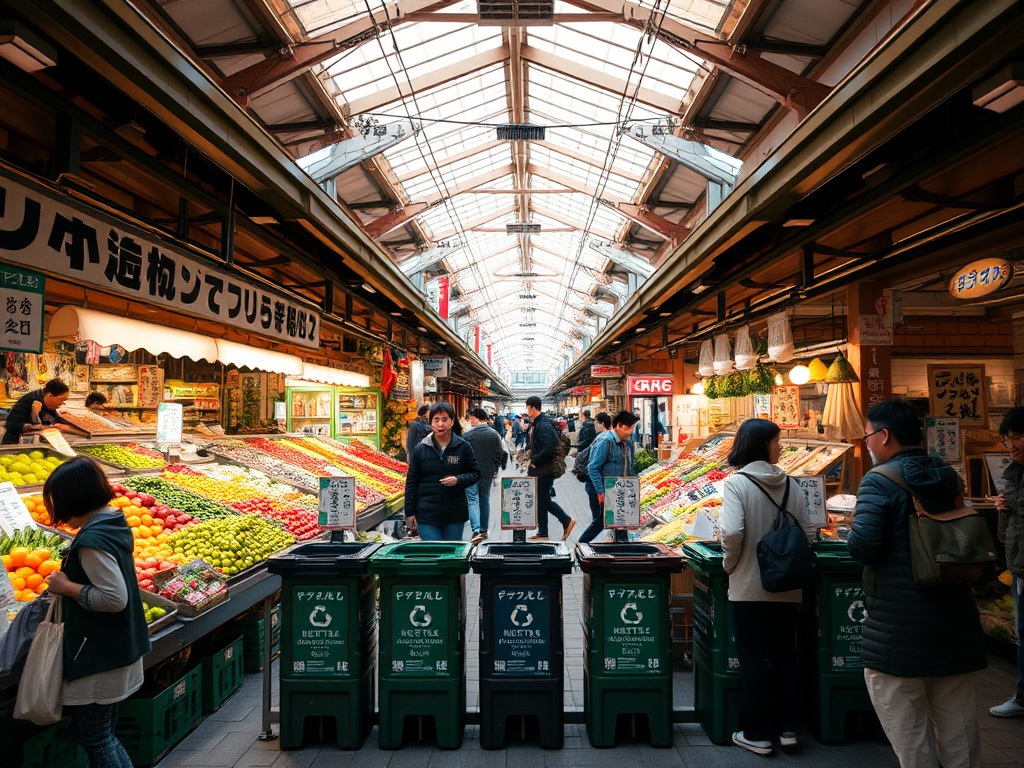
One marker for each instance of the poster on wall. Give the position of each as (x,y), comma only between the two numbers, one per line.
(942,438)
(786,406)
(22,305)
(959,390)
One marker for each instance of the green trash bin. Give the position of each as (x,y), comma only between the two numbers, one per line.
(422,669)
(835,680)
(718,698)
(627,637)
(328,639)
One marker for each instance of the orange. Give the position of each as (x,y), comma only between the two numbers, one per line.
(47,567)
(42,587)
(18,583)
(30,504)
(33,581)
(33,561)
(146,519)
(17,555)
(134,521)
(8,563)
(25,571)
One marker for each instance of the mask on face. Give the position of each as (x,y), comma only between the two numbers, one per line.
(874,459)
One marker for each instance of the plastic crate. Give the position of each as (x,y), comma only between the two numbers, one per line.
(223,672)
(251,626)
(51,746)
(150,727)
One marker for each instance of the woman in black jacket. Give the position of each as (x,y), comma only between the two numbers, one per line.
(442,465)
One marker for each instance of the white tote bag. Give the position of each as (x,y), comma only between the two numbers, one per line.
(39,692)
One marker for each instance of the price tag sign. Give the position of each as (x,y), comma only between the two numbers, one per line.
(518,503)
(56,438)
(169,417)
(13,512)
(813,487)
(337,504)
(622,503)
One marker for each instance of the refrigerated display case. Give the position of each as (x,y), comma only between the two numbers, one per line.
(358,414)
(310,410)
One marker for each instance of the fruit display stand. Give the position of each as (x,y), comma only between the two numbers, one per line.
(28,466)
(131,456)
(104,425)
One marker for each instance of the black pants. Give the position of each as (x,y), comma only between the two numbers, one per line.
(546,504)
(769,669)
(596,527)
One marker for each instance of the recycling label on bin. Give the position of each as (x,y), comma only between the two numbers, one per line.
(522,635)
(847,626)
(632,629)
(420,632)
(321,645)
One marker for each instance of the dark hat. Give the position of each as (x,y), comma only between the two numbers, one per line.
(526,420)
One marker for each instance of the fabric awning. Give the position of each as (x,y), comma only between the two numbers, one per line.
(321,374)
(255,359)
(80,324)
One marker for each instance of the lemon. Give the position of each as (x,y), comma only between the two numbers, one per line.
(36,455)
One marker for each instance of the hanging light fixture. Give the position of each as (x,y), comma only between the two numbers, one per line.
(697,389)
(818,369)
(778,380)
(841,371)
(800,374)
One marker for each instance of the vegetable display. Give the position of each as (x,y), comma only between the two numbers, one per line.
(29,557)
(128,455)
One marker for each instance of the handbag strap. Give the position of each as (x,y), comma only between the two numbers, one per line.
(892,473)
(781,506)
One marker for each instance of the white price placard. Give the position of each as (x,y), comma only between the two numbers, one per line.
(13,512)
(169,418)
(813,487)
(337,503)
(622,503)
(56,438)
(518,503)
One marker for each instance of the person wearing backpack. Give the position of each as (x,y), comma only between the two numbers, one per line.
(544,451)
(602,427)
(587,432)
(765,622)
(921,646)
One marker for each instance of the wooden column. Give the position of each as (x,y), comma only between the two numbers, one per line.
(871,361)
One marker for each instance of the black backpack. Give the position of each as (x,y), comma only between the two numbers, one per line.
(580,467)
(784,556)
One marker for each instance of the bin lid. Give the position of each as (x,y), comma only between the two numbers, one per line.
(835,555)
(419,558)
(531,558)
(635,557)
(324,558)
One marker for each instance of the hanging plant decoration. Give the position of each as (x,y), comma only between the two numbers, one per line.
(711,387)
(761,380)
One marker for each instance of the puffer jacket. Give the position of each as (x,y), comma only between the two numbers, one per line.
(1011,523)
(425,497)
(544,440)
(910,631)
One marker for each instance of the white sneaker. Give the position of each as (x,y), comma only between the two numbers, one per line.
(1010,708)
(787,739)
(757,747)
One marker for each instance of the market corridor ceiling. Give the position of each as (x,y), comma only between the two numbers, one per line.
(543,236)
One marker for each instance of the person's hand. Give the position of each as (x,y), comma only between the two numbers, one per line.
(450,481)
(410,524)
(58,583)
(37,406)
(1000,502)
(600,499)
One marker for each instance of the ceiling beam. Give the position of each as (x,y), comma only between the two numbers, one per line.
(595,78)
(451,191)
(389,222)
(478,149)
(428,81)
(650,221)
(474,18)
(588,159)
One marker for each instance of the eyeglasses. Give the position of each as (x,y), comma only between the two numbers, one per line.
(872,434)
(1011,439)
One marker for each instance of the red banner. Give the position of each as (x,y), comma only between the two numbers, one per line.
(442,296)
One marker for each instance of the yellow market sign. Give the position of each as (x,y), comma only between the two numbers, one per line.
(980,278)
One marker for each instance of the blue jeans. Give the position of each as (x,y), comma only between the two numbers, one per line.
(596,527)
(446,532)
(473,499)
(92,726)
(1018,610)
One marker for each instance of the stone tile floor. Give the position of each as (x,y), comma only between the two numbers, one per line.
(229,737)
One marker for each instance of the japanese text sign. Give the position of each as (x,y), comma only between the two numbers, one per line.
(813,487)
(959,391)
(942,438)
(518,503)
(90,247)
(21,309)
(786,406)
(13,512)
(980,278)
(622,503)
(337,503)
(169,418)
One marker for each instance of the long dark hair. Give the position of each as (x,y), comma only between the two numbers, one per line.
(76,488)
(751,442)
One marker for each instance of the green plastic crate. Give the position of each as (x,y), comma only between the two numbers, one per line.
(150,727)
(252,638)
(50,747)
(223,673)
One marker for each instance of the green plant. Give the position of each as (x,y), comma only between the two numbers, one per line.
(644,458)
(711,387)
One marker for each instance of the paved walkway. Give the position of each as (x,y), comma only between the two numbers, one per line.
(228,738)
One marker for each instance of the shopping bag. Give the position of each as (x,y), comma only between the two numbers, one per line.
(39,692)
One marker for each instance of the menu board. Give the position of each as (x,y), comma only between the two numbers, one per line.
(114,373)
(959,391)
(813,487)
(622,503)
(942,437)
(151,385)
(786,407)
(518,503)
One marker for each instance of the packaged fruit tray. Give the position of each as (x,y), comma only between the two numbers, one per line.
(157,604)
(194,588)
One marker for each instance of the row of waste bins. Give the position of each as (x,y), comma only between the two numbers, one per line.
(336,661)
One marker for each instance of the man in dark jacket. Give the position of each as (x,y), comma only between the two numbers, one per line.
(418,429)
(1010,504)
(544,442)
(921,647)
(587,432)
(487,446)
